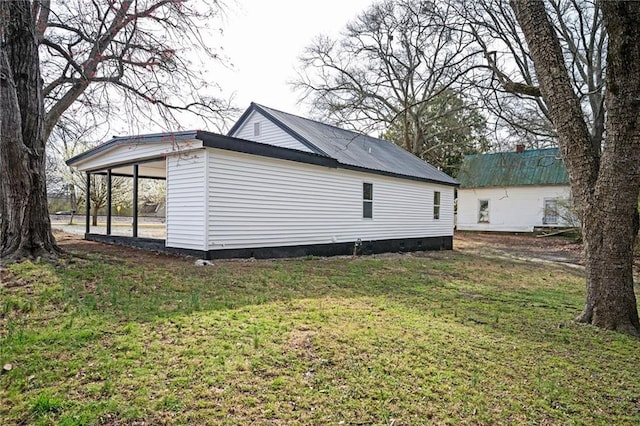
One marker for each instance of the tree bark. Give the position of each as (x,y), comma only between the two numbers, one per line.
(604,188)
(25,228)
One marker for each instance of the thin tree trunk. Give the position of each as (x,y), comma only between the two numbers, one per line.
(74,202)
(94,214)
(605,189)
(25,228)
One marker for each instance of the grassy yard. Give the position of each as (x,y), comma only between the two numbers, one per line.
(433,338)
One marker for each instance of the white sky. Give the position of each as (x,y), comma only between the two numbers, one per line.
(263,40)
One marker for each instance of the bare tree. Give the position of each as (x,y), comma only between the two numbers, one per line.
(120,189)
(69,138)
(507,85)
(102,57)
(394,64)
(138,55)
(605,186)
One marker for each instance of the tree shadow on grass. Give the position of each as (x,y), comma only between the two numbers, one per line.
(466,286)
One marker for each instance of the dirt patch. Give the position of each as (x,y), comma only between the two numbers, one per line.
(552,249)
(301,341)
(75,245)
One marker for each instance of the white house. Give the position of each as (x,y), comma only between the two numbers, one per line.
(513,191)
(282,185)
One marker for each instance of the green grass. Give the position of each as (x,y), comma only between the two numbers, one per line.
(437,338)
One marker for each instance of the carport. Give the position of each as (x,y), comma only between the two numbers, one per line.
(134,157)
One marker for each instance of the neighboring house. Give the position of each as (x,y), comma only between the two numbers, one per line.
(282,185)
(513,191)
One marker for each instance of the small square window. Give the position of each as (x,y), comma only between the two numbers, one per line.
(436,205)
(367,200)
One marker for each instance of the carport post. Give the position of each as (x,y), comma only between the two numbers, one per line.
(109,202)
(87,226)
(135,200)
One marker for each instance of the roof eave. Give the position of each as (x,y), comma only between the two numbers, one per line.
(121,140)
(398,175)
(230,143)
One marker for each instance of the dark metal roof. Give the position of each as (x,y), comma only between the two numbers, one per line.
(531,167)
(352,150)
(330,145)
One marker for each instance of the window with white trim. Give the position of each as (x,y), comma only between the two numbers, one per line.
(367,200)
(550,211)
(256,129)
(436,205)
(483,211)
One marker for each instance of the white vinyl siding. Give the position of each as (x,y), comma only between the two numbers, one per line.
(140,151)
(186,207)
(269,133)
(256,201)
(511,209)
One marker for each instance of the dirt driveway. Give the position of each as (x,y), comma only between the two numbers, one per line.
(552,249)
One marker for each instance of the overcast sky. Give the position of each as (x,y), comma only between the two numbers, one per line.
(264,38)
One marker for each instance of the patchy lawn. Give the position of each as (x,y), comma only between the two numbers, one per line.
(118,336)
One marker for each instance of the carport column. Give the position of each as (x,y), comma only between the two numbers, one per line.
(109,202)
(135,200)
(87,199)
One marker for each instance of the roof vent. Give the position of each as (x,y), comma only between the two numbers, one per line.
(520,148)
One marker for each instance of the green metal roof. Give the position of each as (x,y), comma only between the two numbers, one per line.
(530,167)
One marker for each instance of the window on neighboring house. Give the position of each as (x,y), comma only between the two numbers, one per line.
(367,200)
(436,205)
(256,129)
(483,211)
(550,211)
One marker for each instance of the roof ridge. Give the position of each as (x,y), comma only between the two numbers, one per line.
(322,123)
(365,135)
(519,153)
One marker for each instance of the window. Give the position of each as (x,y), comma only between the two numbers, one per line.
(436,205)
(483,211)
(550,211)
(256,129)
(367,200)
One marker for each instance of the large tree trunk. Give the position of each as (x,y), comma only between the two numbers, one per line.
(605,189)
(25,228)
(609,238)
(612,224)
